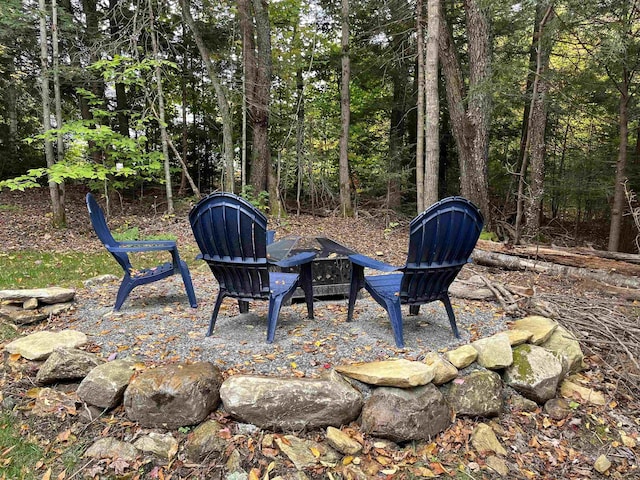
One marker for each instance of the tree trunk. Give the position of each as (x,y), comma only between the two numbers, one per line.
(420,127)
(345,113)
(535,137)
(300,150)
(57,205)
(432,113)
(470,126)
(221,97)
(121,92)
(617,209)
(161,112)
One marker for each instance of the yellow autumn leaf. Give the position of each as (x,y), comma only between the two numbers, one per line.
(254,474)
(347,460)
(47,474)
(62,475)
(383,460)
(315,451)
(294,365)
(14,357)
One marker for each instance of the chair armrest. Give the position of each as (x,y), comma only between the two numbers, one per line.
(368,262)
(144,246)
(295,260)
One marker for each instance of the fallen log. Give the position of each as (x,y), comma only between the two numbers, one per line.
(511,262)
(625,264)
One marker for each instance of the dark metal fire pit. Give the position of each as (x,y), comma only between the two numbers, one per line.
(331,267)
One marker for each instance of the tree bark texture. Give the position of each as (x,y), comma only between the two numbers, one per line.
(57,207)
(161,111)
(420,127)
(618,206)
(470,126)
(432,112)
(345,113)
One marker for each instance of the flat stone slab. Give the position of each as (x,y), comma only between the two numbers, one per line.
(541,328)
(45,295)
(399,373)
(39,345)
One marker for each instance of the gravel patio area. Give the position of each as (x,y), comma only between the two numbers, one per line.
(157,324)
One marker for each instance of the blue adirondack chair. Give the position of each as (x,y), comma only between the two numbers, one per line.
(120,251)
(440,243)
(232,236)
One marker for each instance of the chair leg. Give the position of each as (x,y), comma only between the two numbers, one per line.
(123,292)
(395,316)
(188,285)
(214,315)
(274,310)
(357,281)
(243,305)
(306,283)
(452,317)
(414,309)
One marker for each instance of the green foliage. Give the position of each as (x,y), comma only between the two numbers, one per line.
(127,234)
(491,236)
(21,460)
(260,201)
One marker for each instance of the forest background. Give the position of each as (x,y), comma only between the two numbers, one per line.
(527,108)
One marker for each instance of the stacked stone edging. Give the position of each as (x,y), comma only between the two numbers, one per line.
(409,400)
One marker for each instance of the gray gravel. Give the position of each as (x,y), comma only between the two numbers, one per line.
(157,324)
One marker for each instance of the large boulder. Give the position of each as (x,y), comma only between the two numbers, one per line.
(535,373)
(400,415)
(66,364)
(478,394)
(104,386)
(39,345)
(291,403)
(563,344)
(399,373)
(173,396)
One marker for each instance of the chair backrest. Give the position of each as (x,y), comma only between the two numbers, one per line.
(232,236)
(440,243)
(104,234)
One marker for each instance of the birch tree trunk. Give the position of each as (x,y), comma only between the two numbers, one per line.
(161,112)
(420,183)
(345,112)
(57,205)
(432,112)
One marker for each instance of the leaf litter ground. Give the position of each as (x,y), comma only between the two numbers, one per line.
(157,325)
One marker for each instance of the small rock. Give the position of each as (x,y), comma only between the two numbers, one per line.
(564,344)
(569,389)
(30,304)
(484,439)
(494,352)
(233,462)
(66,364)
(100,280)
(306,453)
(204,440)
(443,370)
(518,336)
(540,327)
(462,356)
(602,464)
(522,404)
(478,394)
(557,408)
(104,386)
(162,445)
(627,441)
(399,373)
(498,465)
(342,442)
(112,448)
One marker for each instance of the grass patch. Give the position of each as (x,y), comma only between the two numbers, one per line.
(34,269)
(7,332)
(18,456)
(9,208)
